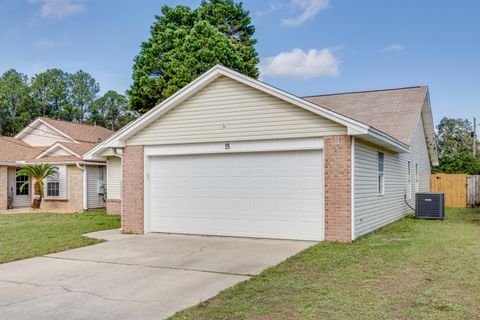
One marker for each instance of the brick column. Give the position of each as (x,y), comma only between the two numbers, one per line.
(338,193)
(114,206)
(132,191)
(3,188)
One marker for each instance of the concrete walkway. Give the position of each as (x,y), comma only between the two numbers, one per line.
(133,277)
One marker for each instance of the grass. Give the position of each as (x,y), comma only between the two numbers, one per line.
(411,269)
(26,235)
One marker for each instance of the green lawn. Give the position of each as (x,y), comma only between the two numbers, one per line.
(26,235)
(411,269)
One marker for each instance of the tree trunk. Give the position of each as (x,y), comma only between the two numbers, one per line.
(37,196)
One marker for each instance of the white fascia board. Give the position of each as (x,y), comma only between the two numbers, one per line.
(72,162)
(236,147)
(117,140)
(288,97)
(10,164)
(429,128)
(32,126)
(389,142)
(53,148)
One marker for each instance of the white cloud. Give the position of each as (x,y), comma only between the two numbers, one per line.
(59,9)
(272,7)
(309,9)
(394,47)
(301,65)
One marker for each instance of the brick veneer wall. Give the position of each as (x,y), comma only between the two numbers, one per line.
(132,191)
(114,206)
(338,192)
(74,203)
(3,187)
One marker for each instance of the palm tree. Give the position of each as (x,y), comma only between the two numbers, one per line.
(37,172)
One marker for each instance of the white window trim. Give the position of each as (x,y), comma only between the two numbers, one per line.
(49,180)
(409,180)
(417,185)
(380,175)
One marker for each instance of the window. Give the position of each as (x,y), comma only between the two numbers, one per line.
(53,185)
(416,178)
(19,182)
(409,180)
(381,171)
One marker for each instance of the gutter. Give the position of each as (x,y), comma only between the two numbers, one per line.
(398,146)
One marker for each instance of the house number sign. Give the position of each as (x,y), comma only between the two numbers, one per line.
(227,145)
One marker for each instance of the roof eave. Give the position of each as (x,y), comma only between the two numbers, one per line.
(382,139)
(117,140)
(30,127)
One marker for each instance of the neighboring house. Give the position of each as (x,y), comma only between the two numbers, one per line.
(79,185)
(230,155)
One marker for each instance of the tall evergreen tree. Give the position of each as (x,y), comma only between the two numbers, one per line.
(185,43)
(83,90)
(51,90)
(17,106)
(234,21)
(111,111)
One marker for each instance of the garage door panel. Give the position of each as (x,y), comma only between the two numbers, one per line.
(265,194)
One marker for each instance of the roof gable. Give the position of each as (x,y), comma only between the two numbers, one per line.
(80,132)
(66,149)
(354,127)
(45,131)
(226,110)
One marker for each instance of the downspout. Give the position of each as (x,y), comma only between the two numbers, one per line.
(115,153)
(84,169)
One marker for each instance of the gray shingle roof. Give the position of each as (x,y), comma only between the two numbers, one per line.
(392,111)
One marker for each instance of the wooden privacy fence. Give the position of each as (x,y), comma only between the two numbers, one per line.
(473,191)
(461,190)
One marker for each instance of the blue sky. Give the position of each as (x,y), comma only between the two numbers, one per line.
(307,46)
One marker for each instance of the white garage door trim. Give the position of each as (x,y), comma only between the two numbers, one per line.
(223,148)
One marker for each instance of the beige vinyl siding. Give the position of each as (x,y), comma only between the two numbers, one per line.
(18,201)
(43,136)
(227,110)
(114,177)
(95,178)
(58,152)
(371,210)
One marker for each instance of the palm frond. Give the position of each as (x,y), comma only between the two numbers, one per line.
(38,172)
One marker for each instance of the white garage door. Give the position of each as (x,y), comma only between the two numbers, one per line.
(263,194)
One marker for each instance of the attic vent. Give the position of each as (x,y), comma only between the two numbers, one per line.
(99,140)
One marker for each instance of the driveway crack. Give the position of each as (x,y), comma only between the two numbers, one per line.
(64,288)
(154,266)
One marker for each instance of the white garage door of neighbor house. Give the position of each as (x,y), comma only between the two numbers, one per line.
(262,194)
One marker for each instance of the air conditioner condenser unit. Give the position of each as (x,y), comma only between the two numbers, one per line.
(430,205)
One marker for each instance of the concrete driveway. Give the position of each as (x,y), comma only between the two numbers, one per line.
(133,277)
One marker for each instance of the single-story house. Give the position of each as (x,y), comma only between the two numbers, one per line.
(230,155)
(79,185)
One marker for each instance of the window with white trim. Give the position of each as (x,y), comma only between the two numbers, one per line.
(409,180)
(22,181)
(53,185)
(417,187)
(381,173)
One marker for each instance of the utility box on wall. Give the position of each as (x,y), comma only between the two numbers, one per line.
(430,205)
